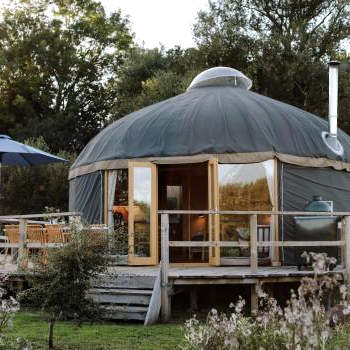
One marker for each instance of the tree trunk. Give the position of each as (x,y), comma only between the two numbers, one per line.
(52,324)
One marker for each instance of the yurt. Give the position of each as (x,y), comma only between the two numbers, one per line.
(218,146)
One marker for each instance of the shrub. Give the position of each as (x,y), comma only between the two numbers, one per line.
(60,281)
(304,323)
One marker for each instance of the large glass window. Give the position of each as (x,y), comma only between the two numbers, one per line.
(244,187)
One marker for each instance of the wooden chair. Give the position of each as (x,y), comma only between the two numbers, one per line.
(35,234)
(54,233)
(12,232)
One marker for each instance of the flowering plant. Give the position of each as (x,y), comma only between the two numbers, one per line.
(304,323)
(9,306)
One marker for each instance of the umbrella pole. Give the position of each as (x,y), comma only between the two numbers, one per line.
(0,188)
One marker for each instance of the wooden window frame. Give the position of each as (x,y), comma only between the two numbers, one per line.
(153,258)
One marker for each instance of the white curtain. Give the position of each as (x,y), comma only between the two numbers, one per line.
(269,171)
(112,180)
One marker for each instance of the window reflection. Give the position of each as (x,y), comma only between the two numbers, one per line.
(142,210)
(243,187)
(121,213)
(121,200)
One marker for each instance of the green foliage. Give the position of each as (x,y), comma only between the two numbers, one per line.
(153,75)
(30,189)
(60,281)
(57,59)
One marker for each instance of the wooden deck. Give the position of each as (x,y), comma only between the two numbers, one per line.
(207,274)
(222,275)
(118,286)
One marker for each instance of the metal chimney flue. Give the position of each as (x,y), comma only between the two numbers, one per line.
(333,97)
(330,138)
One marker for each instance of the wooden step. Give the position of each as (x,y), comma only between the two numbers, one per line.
(137,313)
(121,296)
(128,297)
(124,281)
(122,291)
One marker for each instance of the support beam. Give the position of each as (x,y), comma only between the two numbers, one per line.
(165,298)
(253,224)
(193,299)
(347,246)
(253,300)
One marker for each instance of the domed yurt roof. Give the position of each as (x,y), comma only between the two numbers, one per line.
(218,115)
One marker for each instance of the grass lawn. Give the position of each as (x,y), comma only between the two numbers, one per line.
(98,336)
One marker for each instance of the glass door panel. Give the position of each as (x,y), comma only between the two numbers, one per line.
(143,238)
(185,187)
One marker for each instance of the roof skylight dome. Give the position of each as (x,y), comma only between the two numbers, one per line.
(221,76)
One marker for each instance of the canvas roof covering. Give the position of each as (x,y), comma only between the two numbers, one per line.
(232,123)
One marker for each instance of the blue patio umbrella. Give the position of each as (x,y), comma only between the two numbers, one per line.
(16,153)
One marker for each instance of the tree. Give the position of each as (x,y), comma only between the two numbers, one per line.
(60,281)
(57,59)
(152,75)
(282,45)
(28,190)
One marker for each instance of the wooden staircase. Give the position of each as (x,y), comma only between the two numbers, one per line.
(128,297)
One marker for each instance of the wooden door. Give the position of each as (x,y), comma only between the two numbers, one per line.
(143,217)
(213,204)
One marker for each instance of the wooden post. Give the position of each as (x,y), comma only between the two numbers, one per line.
(253,300)
(253,224)
(22,251)
(347,246)
(166,302)
(276,261)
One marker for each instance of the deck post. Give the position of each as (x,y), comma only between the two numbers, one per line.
(347,246)
(253,300)
(22,250)
(253,224)
(165,298)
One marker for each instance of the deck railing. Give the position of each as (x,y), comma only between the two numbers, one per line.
(23,221)
(253,244)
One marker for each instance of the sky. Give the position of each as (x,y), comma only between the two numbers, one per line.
(155,22)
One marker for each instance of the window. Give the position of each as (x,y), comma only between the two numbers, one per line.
(243,187)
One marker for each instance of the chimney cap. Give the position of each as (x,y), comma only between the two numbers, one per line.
(334,63)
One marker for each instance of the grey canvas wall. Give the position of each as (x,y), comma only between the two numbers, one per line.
(297,186)
(86,196)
